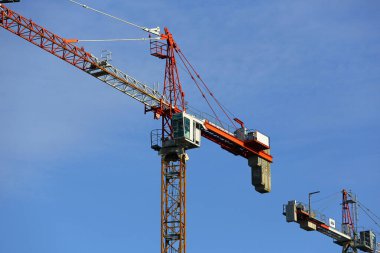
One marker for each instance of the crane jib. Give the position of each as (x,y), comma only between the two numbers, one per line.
(79,58)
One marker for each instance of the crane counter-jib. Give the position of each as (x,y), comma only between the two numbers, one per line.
(250,145)
(240,142)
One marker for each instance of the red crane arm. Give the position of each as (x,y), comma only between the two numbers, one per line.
(79,58)
(234,145)
(110,75)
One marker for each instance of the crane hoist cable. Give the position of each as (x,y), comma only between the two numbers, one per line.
(155,31)
(327,201)
(369,216)
(180,53)
(335,194)
(202,93)
(367,211)
(110,40)
(190,68)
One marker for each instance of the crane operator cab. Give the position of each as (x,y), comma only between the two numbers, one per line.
(187,130)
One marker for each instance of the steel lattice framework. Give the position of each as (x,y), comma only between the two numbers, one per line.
(173,204)
(81,59)
(173,156)
(348,226)
(173,161)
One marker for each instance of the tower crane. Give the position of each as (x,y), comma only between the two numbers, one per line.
(348,236)
(181,130)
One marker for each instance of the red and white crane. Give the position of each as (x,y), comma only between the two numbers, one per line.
(180,131)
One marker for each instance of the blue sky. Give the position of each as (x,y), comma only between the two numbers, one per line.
(76,170)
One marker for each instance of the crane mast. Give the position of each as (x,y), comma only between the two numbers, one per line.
(180,130)
(173,158)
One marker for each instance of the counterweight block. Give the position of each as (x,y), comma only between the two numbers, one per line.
(261,174)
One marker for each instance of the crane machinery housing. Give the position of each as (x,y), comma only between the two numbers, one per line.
(348,236)
(181,129)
